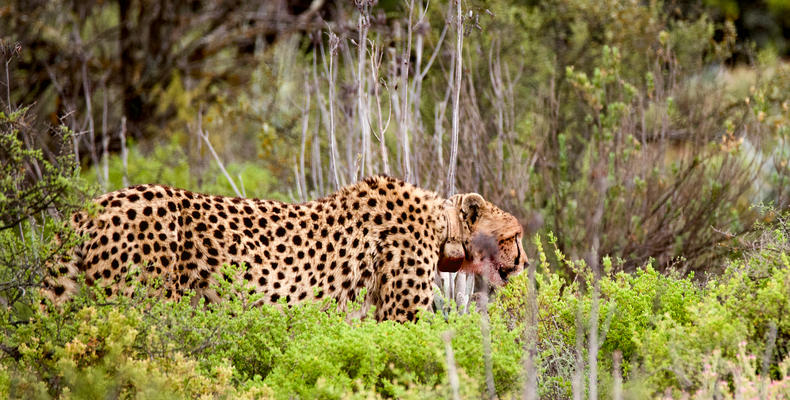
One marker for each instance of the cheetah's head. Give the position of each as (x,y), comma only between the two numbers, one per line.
(483,240)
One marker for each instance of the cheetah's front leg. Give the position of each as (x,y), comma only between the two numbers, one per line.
(404,284)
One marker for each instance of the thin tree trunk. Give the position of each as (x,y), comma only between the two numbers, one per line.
(404,125)
(315,163)
(333,43)
(531,334)
(375,66)
(577,384)
(452,370)
(450,189)
(362,98)
(302,182)
(124,153)
(105,137)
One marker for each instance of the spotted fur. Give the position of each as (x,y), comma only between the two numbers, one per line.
(382,235)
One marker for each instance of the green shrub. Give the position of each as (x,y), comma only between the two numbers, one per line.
(674,335)
(141,346)
(665,326)
(91,352)
(37,188)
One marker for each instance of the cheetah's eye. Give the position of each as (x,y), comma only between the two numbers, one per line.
(518,250)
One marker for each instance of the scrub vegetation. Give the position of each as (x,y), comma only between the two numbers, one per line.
(644,147)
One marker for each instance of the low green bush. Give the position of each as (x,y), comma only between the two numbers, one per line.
(676,336)
(142,347)
(37,187)
(667,327)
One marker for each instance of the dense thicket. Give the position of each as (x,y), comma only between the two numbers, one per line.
(646,144)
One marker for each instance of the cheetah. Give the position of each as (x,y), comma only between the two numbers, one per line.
(381,234)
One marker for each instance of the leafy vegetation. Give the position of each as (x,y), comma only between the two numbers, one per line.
(35,191)
(632,139)
(674,335)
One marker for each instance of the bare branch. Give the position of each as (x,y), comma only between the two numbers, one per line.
(334,41)
(124,152)
(301,181)
(204,136)
(452,370)
(450,188)
(617,391)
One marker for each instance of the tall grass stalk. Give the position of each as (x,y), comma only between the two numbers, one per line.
(592,346)
(124,153)
(204,137)
(376,56)
(617,390)
(577,382)
(452,369)
(105,142)
(457,81)
(531,338)
(363,104)
(334,42)
(485,329)
(404,127)
(301,180)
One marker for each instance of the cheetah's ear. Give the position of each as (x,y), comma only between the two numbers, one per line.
(471,206)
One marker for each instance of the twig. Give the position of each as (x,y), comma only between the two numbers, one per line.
(415,116)
(394,76)
(8,85)
(617,391)
(461,292)
(592,346)
(375,64)
(769,350)
(531,381)
(16,50)
(204,136)
(577,384)
(241,183)
(298,182)
(105,136)
(452,371)
(450,190)
(601,183)
(404,120)
(362,103)
(316,164)
(485,328)
(334,41)
(124,152)
(301,181)
(435,52)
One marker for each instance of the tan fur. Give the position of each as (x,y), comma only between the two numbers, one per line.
(381,234)
(484,220)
